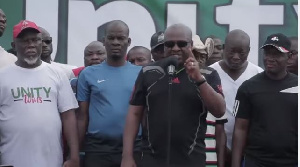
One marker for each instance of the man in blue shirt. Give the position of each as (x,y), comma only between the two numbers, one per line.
(103,92)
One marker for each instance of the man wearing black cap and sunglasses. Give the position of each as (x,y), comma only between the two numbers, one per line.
(176,127)
(157,45)
(266,110)
(47,51)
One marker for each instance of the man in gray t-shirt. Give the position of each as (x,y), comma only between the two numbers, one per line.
(36,103)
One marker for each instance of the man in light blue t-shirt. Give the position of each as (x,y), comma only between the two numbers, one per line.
(103,92)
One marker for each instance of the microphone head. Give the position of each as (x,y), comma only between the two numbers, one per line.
(171,60)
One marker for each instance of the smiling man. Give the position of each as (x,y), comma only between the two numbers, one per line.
(266,110)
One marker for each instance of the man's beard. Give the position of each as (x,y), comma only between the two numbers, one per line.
(31,61)
(116,57)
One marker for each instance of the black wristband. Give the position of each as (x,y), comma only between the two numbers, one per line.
(200,82)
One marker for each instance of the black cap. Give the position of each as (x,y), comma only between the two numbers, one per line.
(279,41)
(157,39)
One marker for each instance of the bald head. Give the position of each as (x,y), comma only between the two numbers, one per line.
(179,28)
(139,55)
(117,23)
(94,53)
(238,36)
(44,31)
(2,22)
(236,50)
(47,48)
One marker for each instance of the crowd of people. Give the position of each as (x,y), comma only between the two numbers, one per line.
(186,102)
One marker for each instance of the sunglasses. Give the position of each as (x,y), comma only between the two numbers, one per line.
(47,41)
(171,44)
(293,52)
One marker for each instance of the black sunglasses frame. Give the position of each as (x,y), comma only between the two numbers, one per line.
(47,41)
(180,44)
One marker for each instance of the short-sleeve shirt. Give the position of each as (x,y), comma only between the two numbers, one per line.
(188,114)
(108,90)
(230,88)
(6,58)
(272,110)
(31,101)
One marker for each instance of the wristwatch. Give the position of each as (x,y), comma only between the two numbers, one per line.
(198,83)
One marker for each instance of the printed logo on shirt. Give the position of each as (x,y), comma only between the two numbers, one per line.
(99,81)
(290,90)
(176,80)
(31,95)
(236,107)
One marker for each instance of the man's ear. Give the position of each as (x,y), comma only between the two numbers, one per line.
(12,44)
(129,41)
(103,41)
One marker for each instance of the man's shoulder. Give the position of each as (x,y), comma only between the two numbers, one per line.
(216,66)
(210,73)
(254,67)
(65,66)
(7,69)
(134,67)
(207,70)
(154,66)
(254,81)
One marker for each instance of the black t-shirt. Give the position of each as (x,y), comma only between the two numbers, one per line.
(188,115)
(272,110)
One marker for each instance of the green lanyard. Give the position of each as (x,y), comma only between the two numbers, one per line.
(177,72)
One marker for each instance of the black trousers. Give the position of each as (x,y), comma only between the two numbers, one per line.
(107,160)
(148,160)
(251,162)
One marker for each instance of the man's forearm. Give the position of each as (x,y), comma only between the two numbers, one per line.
(71,132)
(239,141)
(82,120)
(213,101)
(220,144)
(133,121)
(82,124)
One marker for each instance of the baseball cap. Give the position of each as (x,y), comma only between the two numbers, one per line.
(279,41)
(198,45)
(157,39)
(23,25)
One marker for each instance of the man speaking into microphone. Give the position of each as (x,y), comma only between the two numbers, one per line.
(175,111)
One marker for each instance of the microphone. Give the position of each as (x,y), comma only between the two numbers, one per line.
(171,69)
(171,62)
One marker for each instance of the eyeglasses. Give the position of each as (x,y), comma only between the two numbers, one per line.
(171,44)
(293,52)
(47,41)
